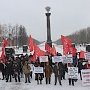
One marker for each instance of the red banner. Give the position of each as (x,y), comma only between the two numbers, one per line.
(4,44)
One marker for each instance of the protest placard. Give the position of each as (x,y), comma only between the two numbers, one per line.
(57,59)
(43,58)
(38,69)
(73,72)
(85,77)
(67,59)
(87,55)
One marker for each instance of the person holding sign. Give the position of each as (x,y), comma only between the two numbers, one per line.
(57,73)
(71,80)
(48,72)
(38,73)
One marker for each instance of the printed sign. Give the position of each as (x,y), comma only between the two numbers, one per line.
(87,55)
(85,77)
(38,69)
(67,59)
(57,59)
(43,58)
(73,72)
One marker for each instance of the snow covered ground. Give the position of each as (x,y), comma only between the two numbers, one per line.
(33,85)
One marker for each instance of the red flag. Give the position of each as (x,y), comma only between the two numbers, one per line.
(67,43)
(82,54)
(47,47)
(41,53)
(4,44)
(53,51)
(65,40)
(30,43)
(33,58)
(73,51)
(38,51)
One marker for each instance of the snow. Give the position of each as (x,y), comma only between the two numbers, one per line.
(33,85)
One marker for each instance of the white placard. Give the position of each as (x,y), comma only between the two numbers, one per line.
(73,72)
(87,55)
(43,58)
(38,69)
(85,77)
(67,59)
(57,59)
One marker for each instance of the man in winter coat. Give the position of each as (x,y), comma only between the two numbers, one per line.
(16,71)
(9,70)
(57,73)
(26,70)
(48,72)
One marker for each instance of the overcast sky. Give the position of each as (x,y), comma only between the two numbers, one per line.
(67,16)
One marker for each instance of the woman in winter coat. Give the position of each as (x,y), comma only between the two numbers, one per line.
(48,72)
(26,70)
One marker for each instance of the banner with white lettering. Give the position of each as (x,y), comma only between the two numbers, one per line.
(57,59)
(85,77)
(73,72)
(38,69)
(43,58)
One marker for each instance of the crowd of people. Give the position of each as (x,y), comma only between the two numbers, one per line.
(16,67)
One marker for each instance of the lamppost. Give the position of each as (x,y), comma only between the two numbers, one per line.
(49,41)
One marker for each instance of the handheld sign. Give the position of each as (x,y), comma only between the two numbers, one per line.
(38,69)
(57,59)
(85,77)
(67,59)
(73,72)
(87,56)
(43,58)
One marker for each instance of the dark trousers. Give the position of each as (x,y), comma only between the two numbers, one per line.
(3,75)
(38,81)
(39,78)
(27,76)
(71,81)
(31,74)
(59,79)
(17,76)
(7,77)
(63,75)
(48,80)
(80,75)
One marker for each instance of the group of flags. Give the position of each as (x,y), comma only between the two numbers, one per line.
(37,51)
(66,42)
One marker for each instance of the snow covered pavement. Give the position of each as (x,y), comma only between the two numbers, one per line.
(33,85)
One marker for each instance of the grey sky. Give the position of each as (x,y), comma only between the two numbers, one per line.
(67,16)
